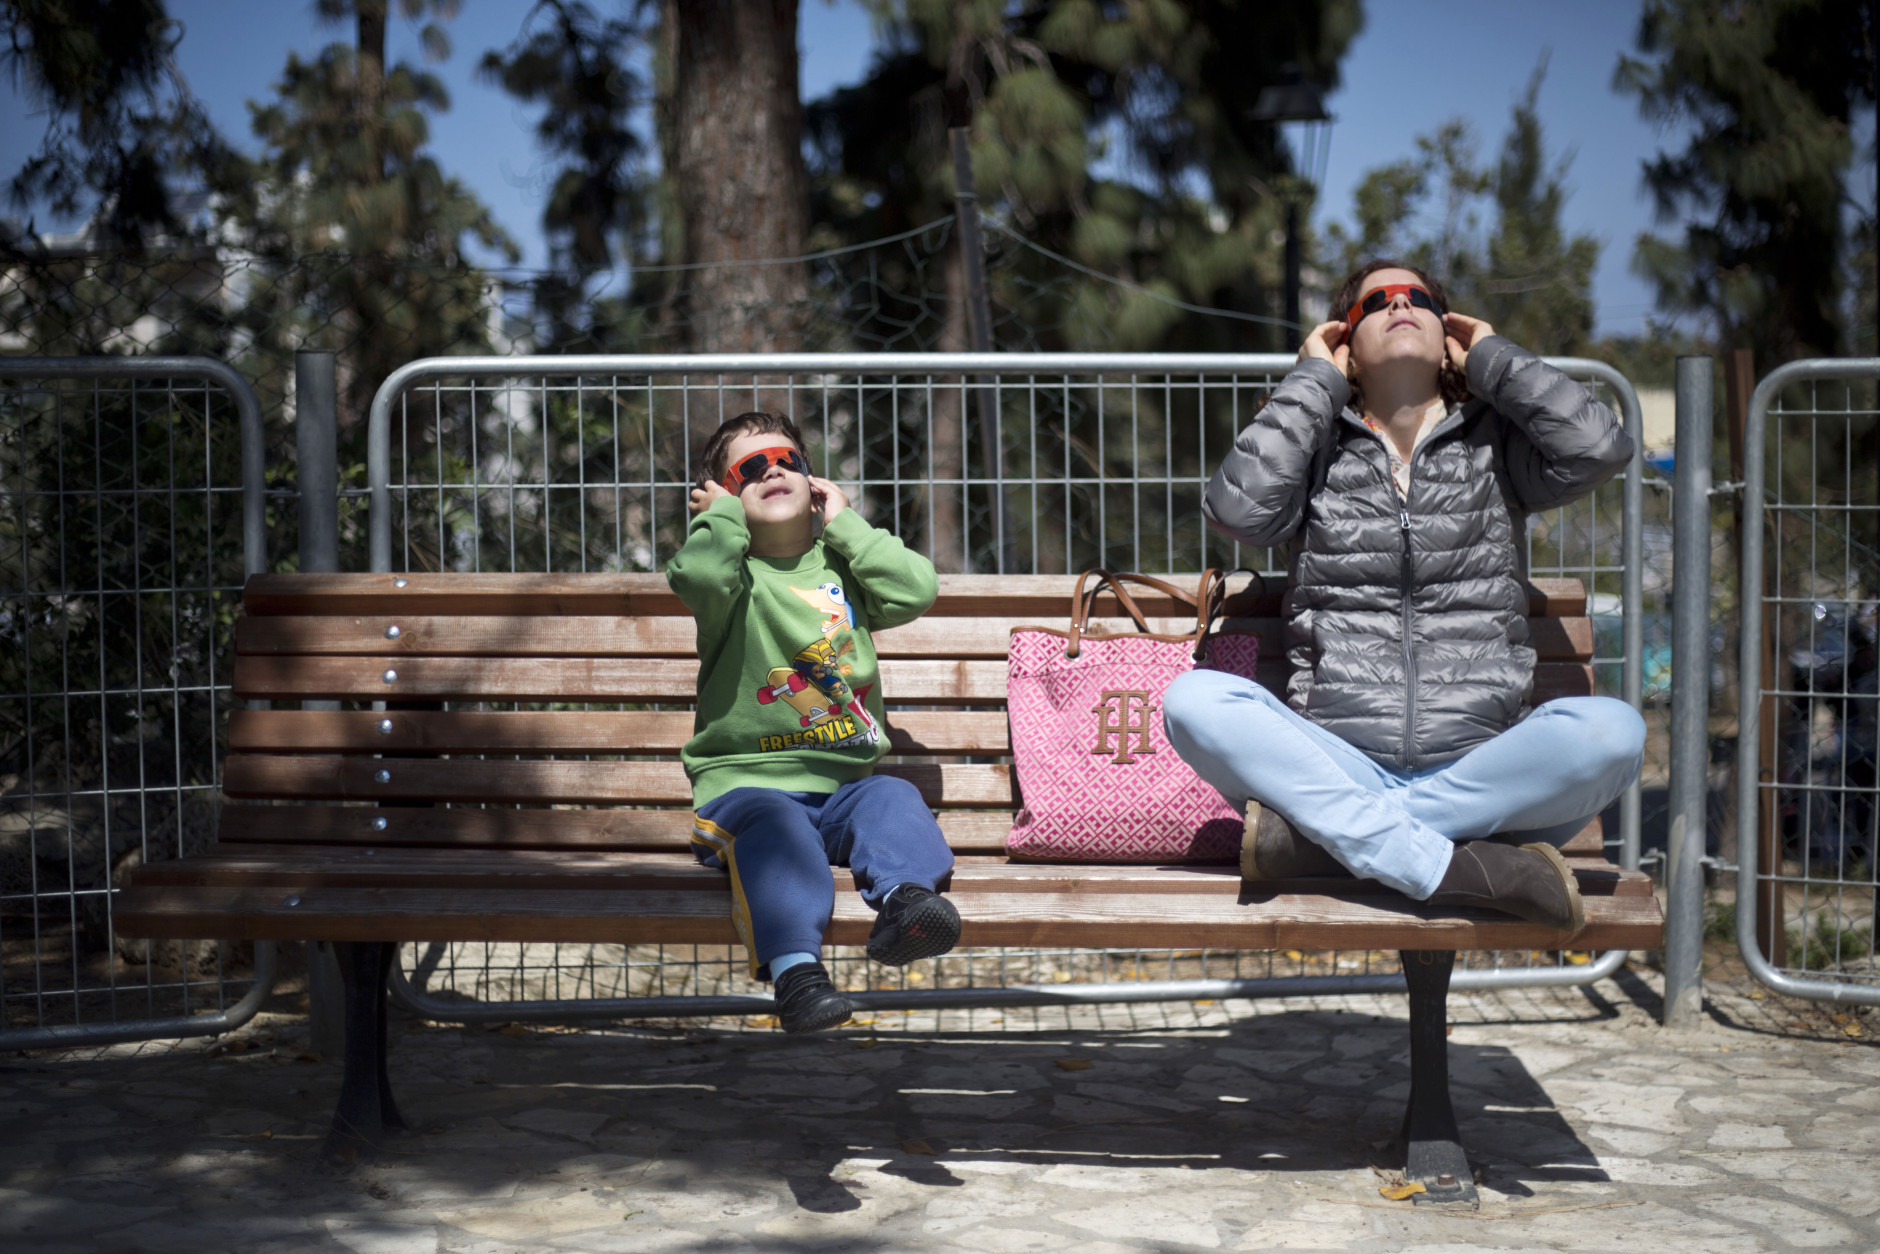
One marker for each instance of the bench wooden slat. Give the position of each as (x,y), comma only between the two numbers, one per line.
(562,731)
(329,866)
(907,681)
(1039,598)
(565,679)
(1554,639)
(609,636)
(1093,920)
(464,827)
(967,832)
(548,782)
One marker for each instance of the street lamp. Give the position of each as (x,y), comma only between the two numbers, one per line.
(1293,99)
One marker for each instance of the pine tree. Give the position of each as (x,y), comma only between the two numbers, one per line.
(578,68)
(1492,234)
(122,127)
(1768,91)
(370,234)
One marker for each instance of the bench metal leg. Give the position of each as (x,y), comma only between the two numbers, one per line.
(366,1109)
(1433,1155)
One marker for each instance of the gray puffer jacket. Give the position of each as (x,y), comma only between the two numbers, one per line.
(1406,621)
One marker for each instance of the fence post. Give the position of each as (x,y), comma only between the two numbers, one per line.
(316,439)
(1690,696)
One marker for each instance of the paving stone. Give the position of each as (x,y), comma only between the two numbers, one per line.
(1748,1136)
(1596,1129)
(1793,1224)
(1143,1220)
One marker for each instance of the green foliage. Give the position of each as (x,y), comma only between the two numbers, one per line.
(1768,91)
(576,66)
(1828,946)
(120,121)
(1492,234)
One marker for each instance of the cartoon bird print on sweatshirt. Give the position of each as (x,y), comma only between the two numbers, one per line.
(815,683)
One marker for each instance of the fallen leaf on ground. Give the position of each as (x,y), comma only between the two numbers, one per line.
(1400,1192)
(1852,1029)
(512,1029)
(1075,1064)
(861,1022)
(306,1055)
(481,1079)
(260,1136)
(917,1146)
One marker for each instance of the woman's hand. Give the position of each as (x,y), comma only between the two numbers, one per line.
(701,498)
(1328,343)
(1460,334)
(829,497)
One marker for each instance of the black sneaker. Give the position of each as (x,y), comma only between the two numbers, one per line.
(808,1002)
(914,923)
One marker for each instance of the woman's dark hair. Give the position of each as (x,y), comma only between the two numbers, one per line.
(712,461)
(1450,381)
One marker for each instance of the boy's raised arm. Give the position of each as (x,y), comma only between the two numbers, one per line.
(897,584)
(708,572)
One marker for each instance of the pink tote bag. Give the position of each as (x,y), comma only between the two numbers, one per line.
(1098,778)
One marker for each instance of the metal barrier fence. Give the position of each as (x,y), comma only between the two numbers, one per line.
(131,510)
(997,462)
(1807,822)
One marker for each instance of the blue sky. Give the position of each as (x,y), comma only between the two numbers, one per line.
(1417,64)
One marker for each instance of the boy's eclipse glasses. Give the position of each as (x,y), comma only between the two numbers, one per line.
(758,464)
(1379,298)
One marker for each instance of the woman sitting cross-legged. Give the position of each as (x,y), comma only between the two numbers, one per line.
(1400,459)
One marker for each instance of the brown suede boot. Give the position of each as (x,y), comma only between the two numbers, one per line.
(1532,882)
(1273,849)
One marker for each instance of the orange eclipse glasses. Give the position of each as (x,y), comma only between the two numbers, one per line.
(754,467)
(1379,298)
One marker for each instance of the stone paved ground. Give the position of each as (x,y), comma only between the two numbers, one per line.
(1230,1127)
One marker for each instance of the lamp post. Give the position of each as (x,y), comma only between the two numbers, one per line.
(1294,99)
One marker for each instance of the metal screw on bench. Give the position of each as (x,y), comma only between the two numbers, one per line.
(392,632)
(400,582)
(390,677)
(385,727)
(384,777)
(378,824)
(291,901)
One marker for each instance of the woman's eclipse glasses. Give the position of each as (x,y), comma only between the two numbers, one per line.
(758,464)
(1379,298)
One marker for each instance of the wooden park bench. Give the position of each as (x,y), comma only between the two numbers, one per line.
(428,821)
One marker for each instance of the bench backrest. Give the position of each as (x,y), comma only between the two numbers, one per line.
(438,648)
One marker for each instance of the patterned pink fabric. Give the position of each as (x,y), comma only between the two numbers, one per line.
(1095,769)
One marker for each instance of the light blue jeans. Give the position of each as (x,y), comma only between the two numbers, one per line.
(1543,778)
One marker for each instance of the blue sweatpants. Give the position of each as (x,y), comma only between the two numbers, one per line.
(1544,778)
(779,846)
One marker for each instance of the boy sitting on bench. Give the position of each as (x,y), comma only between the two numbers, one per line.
(789,721)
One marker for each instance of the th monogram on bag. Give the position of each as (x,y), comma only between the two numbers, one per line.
(1098,779)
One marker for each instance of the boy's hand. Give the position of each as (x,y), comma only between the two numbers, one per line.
(831,498)
(1460,335)
(703,497)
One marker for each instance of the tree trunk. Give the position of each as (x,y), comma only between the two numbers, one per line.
(371,70)
(737,172)
(946,460)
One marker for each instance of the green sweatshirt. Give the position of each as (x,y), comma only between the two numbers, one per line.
(788,691)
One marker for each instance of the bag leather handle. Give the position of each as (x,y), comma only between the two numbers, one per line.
(1206,600)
